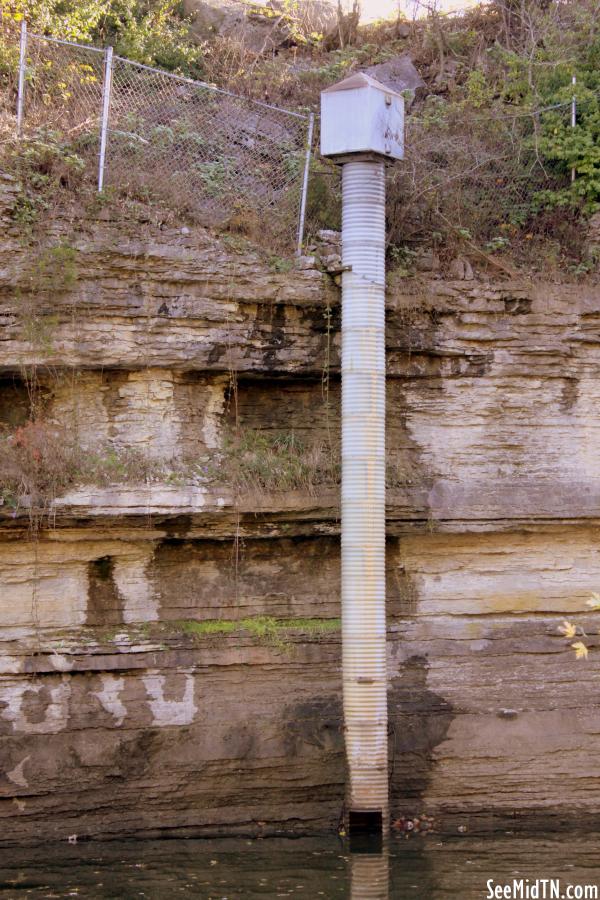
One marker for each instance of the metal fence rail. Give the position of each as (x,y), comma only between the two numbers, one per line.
(225,159)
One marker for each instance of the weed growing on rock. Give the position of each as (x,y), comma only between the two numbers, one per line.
(40,461)
(257,462)
(47,160)
(53,270)
(48,166)
(312,626)
(209,627)
(266,629)
(280,264)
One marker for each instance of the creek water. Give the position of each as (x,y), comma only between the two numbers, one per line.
(429,866)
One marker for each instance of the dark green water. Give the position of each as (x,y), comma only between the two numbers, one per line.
(227,869)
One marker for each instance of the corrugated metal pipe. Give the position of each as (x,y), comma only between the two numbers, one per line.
(362,124)
(363,486)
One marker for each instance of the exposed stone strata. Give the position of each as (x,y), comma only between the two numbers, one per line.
(115,720)
(161,413)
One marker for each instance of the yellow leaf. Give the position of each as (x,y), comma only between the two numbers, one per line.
(568,629)
(581,651)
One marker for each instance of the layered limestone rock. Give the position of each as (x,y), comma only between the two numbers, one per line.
(122,712)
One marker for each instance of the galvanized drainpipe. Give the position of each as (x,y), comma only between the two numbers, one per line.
(362,125)
(363,485)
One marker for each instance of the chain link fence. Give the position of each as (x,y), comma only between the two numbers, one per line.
(227,161)
(60,94)
(240,163)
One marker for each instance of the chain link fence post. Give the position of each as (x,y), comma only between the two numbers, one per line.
(21,87)
(573,118)
(309,140)
(106,96)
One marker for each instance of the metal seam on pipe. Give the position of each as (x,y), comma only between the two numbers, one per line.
(364,670)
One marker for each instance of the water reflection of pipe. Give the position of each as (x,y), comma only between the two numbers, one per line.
(370,875)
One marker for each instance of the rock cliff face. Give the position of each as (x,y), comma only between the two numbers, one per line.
(119,714)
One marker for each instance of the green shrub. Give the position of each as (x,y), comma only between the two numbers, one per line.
(45,163)
(47,160)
